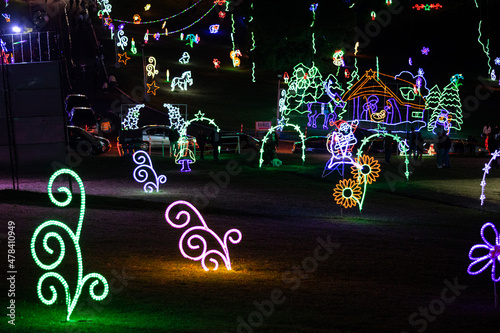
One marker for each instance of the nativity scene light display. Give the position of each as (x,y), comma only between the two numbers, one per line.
(397,103)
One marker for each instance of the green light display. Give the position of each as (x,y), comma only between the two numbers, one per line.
(48,246)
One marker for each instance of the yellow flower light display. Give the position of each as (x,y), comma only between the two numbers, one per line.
(348,193)
(369,169)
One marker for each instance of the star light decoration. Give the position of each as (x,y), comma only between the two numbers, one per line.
(174,115)
(152,87)
(486,171)
(132,118)
(490,252)
(497,61)
(123,58)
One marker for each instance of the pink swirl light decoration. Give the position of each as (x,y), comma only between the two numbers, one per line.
(144,170)
(192,236)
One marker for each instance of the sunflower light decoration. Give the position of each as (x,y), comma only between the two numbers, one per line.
(348,192)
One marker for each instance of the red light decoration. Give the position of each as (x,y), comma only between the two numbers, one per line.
(427,7)
(216,63)
(222,14)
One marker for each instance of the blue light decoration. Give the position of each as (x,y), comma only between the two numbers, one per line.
(425,50)
(280,127)
(193,240)
(497,61)
(340,142)
(306,87)
(327,108)
(145,171)
(131,120)
(185,58)
(182,82)
(52,237)
(214,28)
(493,76)
(486,170)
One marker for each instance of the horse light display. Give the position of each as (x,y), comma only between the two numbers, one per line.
(182,82)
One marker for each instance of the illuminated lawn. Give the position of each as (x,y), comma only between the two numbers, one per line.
(385,263)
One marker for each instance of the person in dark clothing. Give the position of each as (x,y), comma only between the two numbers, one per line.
(215,139)
(388,148)
(447,147)
(201,140)
(471,144)
(173,137)
(419,144)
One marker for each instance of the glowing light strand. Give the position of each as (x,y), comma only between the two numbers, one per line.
(75,238)
(280,127)
(145,171)
(194,240)
(163,19)
(486,170)
(486,48)
(402,146)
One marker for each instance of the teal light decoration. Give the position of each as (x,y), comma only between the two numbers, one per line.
(280,127)
(47,243)
(402,146)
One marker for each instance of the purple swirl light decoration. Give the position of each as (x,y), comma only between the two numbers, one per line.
(486,169)
(490,256)
(145,170)
(195,241)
